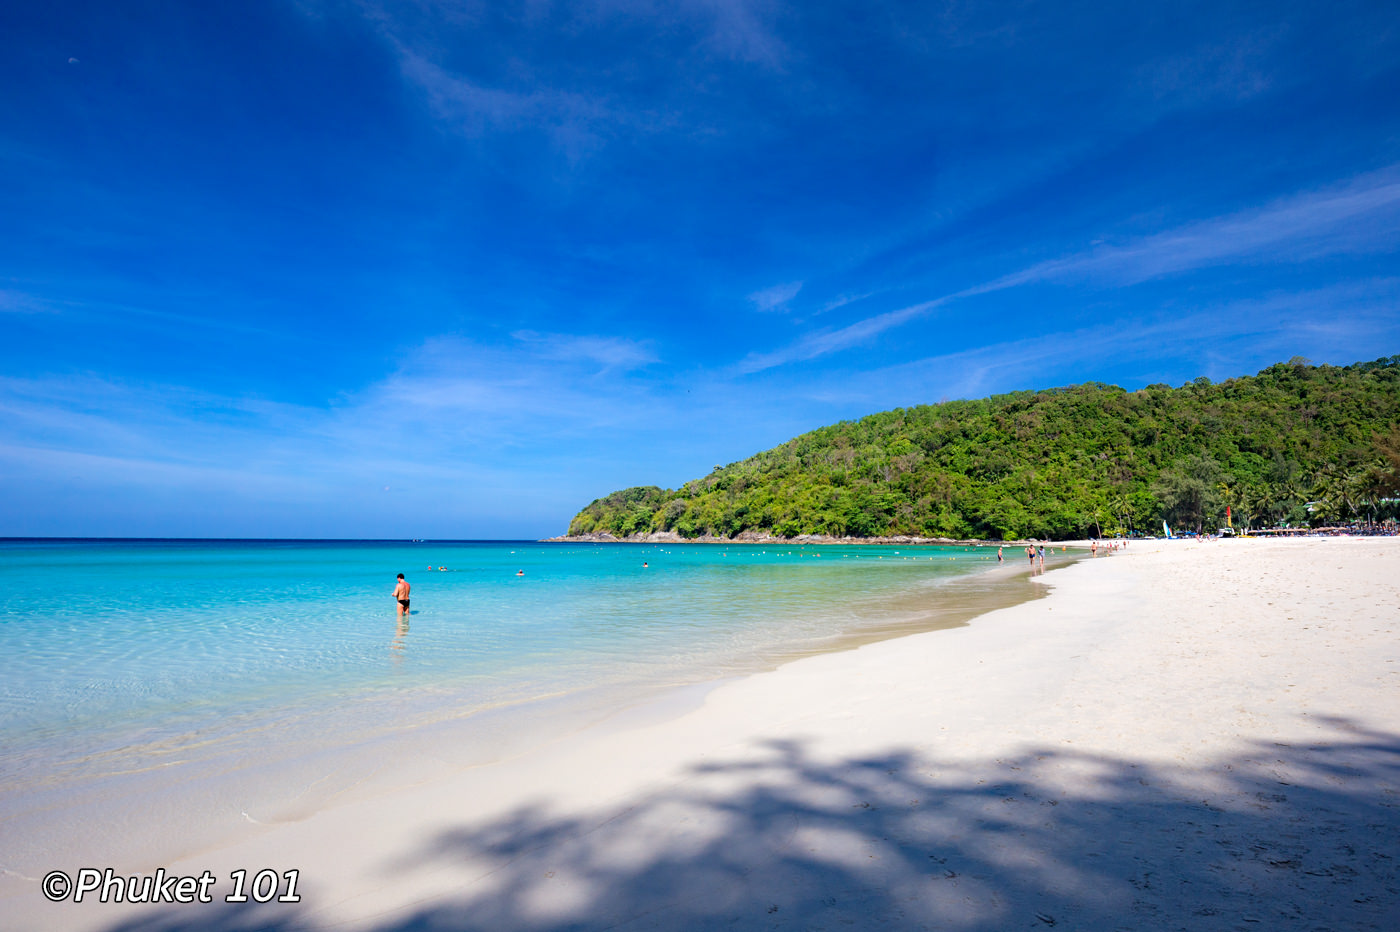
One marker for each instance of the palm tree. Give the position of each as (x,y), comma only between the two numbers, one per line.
(1122,511)
(1340,492)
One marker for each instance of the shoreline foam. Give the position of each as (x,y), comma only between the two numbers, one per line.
(1152,744)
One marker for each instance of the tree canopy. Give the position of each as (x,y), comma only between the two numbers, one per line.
(1296,443)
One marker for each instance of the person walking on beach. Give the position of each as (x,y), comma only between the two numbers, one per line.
(1000,558)
(401,593)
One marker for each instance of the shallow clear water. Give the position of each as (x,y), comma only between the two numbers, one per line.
(192,657)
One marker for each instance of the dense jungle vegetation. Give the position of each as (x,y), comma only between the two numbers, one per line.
(1296,444)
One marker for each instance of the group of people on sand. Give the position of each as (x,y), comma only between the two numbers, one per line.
(1034,552)
(1106,546)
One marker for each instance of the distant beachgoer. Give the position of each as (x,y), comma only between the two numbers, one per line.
(1000,558)
(1042,556)
(1030,555)
(645,564)
(401,593)
(520,573)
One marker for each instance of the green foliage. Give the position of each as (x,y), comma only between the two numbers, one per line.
(1190,492)
(1059,463)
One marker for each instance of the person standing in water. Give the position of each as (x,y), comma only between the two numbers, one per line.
(401,593)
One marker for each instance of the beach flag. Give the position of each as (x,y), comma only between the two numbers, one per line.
(1166,530)
(1227,517)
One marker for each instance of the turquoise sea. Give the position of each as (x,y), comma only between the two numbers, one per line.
(256,680)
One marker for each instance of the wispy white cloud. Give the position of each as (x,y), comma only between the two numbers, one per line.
(579,102)
(20,302)
(47,298)
(1361,216)
(842,300)
(575,121)
(608,352)
(540,389)
(137,471)
(825,342)
(450,410)
(1227,73)
(1269,328)
(154,422)
(775,297)
(742,29)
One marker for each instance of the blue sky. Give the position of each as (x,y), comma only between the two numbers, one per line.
(431,269)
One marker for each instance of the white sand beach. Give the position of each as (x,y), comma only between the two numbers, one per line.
(1182,735)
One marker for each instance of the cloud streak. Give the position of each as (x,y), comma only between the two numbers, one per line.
(572,118)
(456,415)
(19,302)
(775,297)
(825,342)
(610,353)
(1361,216)
(1268,329)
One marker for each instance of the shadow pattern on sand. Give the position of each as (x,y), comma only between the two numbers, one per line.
(1276,837)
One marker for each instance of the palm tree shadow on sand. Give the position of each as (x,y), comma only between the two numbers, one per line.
(1277,837)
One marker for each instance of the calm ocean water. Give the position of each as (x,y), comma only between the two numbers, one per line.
(208,662)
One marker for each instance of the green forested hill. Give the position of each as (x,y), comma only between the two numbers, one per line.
(1059,463)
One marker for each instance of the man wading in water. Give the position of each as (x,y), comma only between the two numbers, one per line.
(401,593)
